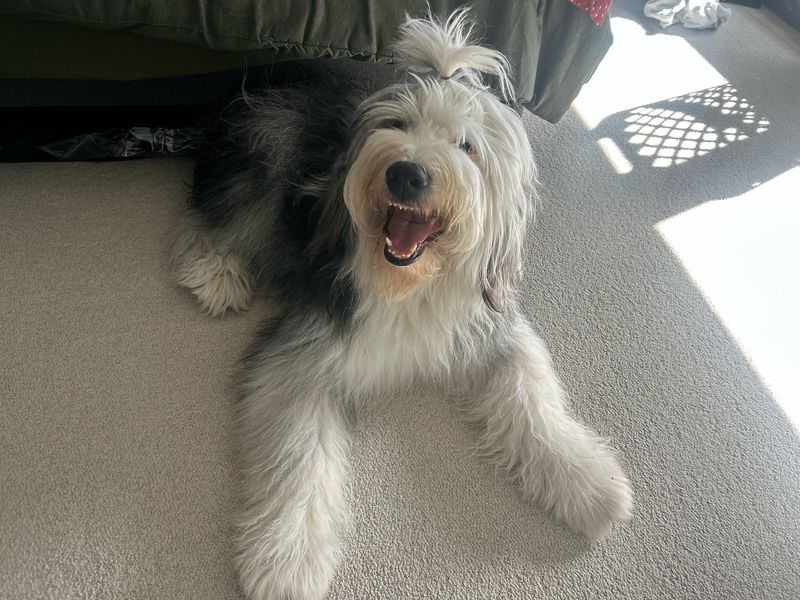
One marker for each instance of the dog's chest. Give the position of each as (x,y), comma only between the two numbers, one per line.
(395,344)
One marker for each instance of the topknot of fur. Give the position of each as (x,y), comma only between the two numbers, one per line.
(449,50)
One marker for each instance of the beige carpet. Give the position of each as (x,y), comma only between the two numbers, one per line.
(115,400)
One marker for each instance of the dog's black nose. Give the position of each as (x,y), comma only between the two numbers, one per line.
(406,180)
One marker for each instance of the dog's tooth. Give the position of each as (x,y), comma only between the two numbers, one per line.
(388,242)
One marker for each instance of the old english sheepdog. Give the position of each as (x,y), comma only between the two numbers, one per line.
(387,232)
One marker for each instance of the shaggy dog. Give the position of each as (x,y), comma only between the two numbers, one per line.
(388,231)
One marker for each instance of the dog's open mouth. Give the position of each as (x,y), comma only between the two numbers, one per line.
(408,231)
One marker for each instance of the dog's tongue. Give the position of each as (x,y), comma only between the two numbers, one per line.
(406,234)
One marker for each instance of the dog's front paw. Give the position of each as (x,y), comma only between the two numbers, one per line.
(220,283)
(595,495)
(219,280)
(292,571)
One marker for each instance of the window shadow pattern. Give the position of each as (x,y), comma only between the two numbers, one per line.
(678,129)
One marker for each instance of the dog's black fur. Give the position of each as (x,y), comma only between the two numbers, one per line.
(241,152)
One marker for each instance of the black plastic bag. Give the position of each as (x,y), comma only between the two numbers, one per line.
(136,142)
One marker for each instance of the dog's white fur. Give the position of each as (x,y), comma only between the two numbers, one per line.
(424,322)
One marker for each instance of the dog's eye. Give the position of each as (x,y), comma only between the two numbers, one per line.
(466,147)
(394,124)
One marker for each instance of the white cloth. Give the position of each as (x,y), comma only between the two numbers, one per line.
(694,14)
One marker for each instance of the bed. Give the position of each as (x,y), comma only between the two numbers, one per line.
(553,45)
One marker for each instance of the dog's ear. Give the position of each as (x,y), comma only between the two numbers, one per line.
(493,298)
(334,220)
(510,188)
(504,267)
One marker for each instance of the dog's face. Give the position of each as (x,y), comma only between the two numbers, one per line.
(438,182)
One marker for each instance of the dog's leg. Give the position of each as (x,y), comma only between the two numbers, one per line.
(216,277)
(557,461)
(294,432)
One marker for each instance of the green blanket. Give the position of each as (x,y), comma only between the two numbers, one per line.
(552,46)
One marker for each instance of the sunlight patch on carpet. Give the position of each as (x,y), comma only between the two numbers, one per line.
(639,70)
(743,253)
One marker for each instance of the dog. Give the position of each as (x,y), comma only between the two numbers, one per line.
(387,232)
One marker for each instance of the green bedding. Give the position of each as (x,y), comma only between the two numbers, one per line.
(553,46)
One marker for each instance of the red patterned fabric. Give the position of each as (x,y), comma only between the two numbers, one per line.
(597,9)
